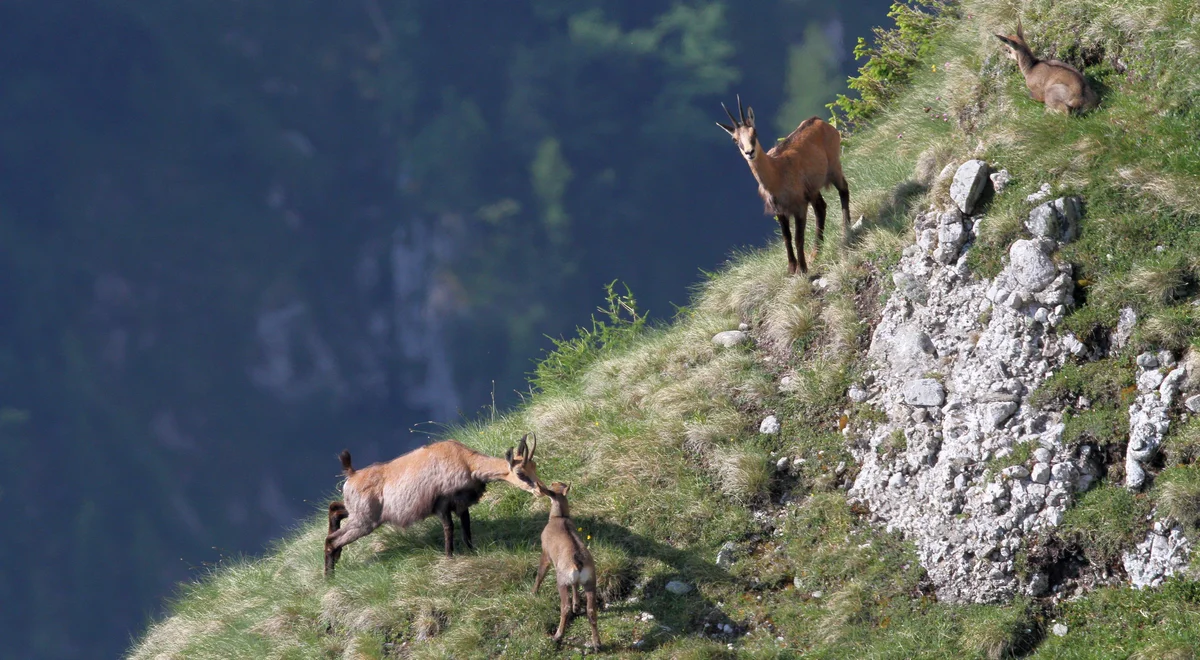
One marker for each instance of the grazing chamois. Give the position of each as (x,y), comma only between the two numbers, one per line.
(791,175)
(573,565)
(442,478)
(1057,84)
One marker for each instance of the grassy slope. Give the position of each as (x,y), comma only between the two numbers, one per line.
(660,439)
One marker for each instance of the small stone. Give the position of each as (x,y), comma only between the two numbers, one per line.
(817,594)
(1043,221)
(1040,473)
(1038,584)
(1147,361)
(1015,300)
(1192,403)
(924,392)
(1000,180)
(1015,472)
(897,480)
(968,185)
(1041,194)
(743,326)
(1126,320)
(1043,455)
(1059,629)
(678,588)
(1031,266)
(730,338)
(769,425)
(782,464)
(995,414)
(726,554)
(1166,359)
(1042,315)
(857,394)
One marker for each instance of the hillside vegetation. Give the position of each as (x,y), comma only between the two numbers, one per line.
(657,429)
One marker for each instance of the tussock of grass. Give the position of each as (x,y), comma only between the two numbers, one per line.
(1105,521)
(996,633)
(1177,495)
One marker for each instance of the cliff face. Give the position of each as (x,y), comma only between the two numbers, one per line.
(982,473)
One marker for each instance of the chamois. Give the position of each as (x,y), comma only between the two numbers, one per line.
(1057,84)
(791,175)
(442,478)
(573,565)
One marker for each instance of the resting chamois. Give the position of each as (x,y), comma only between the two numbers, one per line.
(791,175)
(1057,84)
(573,565)
(442,478)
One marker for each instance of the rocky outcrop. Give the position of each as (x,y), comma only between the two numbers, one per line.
(954,359)
(1158,382)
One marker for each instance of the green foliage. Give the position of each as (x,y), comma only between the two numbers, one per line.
(1106,383)
(619,326)
(892,58)
(1177,496)
(1101,424)
(1105,521)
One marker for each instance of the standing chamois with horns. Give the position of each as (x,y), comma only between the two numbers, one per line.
(791,175)
(1060,86)
(443,478)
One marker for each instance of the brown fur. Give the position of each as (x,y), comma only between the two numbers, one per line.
(1060,86)
(573,565)
(791,175)
(442,478)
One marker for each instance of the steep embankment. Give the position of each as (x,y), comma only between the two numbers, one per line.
(924,450)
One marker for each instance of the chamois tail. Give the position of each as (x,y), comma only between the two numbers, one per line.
(347,468)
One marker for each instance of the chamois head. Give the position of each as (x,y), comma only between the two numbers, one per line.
(557,492)
(1014,43)
(522,471)
(742,131)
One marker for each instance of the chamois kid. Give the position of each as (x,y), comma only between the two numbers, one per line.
(1057,84)
(443,478)
(573,565)
(791,175)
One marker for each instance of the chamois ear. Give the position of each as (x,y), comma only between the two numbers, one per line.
(1007,42)
(523,447)
(750,116)
(728,129)
(566,487)
(1020,30)
(508,456)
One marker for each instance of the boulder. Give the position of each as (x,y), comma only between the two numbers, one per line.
(970,181)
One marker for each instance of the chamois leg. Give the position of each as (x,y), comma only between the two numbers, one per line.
(591,612)
(843,188)
(543,564)
(1057,99)
(564,604)
(818,204)
(337,513)
(801,219)
(340,538)
(464,517)
(785,228)
(447,530)
(574,598)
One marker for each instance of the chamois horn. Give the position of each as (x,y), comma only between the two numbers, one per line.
(740,112)
(730,115)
